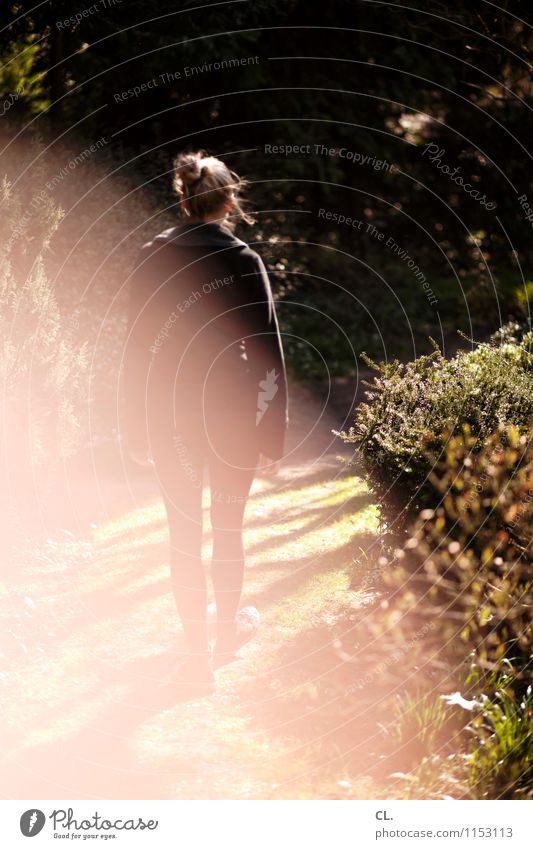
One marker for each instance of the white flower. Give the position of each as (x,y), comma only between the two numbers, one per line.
(457,699)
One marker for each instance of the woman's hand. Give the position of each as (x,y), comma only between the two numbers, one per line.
(142,458)
(268,466)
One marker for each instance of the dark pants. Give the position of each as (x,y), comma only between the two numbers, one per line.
(218,435)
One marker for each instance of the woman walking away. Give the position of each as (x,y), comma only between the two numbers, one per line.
(205,386)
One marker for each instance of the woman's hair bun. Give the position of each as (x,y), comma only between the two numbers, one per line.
(205,183)
(188,168)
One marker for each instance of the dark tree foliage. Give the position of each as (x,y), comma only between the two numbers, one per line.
(381,80)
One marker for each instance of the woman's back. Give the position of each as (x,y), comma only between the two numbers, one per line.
(199,289)
(203,330)
(205,388)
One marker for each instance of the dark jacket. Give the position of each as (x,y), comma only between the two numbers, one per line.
(202,315)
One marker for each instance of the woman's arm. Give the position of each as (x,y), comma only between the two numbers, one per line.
(265,355)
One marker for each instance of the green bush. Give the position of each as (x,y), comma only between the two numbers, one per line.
(42,364)
(456,623)
(411,406)
(467,565)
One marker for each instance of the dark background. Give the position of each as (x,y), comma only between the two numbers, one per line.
(380,79)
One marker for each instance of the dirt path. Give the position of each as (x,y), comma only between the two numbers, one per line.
(88,711)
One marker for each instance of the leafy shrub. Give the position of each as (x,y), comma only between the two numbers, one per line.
(414,407)
(41,362)
(20,83)
(467,564)
(457,617)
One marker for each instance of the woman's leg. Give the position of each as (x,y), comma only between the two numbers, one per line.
(230,487)
(179,464)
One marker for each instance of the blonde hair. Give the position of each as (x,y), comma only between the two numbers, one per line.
(206,183)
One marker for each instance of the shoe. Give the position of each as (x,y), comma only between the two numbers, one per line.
(246,626)
(194,675)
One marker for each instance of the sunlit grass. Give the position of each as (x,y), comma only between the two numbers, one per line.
(150,514)
(115,615)
(82,713)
